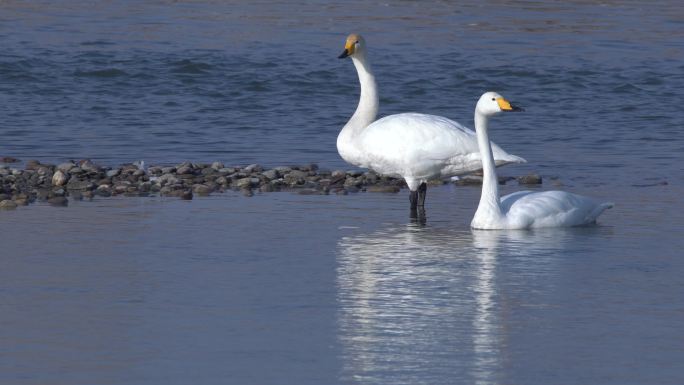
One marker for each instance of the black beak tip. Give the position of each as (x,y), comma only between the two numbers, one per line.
(343,54)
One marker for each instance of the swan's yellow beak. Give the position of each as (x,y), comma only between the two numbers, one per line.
(505,105)
(348,49)
(350,45)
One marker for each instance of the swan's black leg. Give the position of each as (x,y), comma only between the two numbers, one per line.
(422,192)
(413,197)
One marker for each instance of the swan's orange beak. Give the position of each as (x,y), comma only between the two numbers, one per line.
(348,47)
(505,105)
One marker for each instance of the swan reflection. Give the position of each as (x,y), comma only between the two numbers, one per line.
(419,303)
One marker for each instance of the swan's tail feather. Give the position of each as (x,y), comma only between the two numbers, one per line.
(508,159)
(600,208)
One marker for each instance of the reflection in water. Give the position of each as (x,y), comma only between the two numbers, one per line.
(420,304)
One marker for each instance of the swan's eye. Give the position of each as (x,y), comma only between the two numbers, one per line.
(493,99)
(357,42)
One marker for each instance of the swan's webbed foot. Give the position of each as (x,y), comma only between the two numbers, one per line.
(422,192)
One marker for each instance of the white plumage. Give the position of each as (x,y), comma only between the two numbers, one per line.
(416,147)
(523,209)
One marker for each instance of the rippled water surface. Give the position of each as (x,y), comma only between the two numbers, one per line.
(281,288)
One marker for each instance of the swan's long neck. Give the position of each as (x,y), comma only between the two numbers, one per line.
(366,111)
(490,205)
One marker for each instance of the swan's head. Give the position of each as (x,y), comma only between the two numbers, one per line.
(491,103)
(354,46)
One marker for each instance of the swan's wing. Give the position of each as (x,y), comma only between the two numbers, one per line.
(551,209)
(417,139)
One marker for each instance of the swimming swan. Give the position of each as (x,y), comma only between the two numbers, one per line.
(522,209)
(416,147)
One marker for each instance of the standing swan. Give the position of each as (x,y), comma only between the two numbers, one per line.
(416,147)
(523,209)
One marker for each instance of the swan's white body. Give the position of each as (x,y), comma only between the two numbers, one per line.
(416,147)
(523,209)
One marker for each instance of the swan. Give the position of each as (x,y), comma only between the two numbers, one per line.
(523,209)
(412,146)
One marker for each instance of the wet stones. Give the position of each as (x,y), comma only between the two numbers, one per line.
(84,179)
(530,179)
(59,178)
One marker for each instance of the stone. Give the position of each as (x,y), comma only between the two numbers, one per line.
(283,169)
(186,195)
(8,204)
(530,179)
(383,189)
(9,159)
(355,173)
(184,170)
(244,183)
(66,166)
(114,172)
(201,189)
(59,178)
(217,166)
(253,168)
(469,180)
(271,174)
(75,184)
(168,170)
(58,201)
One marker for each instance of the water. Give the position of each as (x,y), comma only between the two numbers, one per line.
(281,288)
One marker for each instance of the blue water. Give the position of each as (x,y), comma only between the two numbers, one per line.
(281,288)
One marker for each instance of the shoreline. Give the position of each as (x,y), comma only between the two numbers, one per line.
(56,184)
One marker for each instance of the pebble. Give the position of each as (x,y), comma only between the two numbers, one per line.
(59,178)
(8,204)
(85,179)
(58,201)
(530,179)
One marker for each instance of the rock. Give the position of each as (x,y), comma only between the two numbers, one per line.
(21,202)
(59,178)
(184,170)
(8,205)
(9,159)
(32,164)
(282,170)
(355,173)
(58,201)
(245,183)
(469,180)
(201,189)
(383,189)
(351,181)
(168,170)
(66,166)
(113,172)
(217,166)
(186,195)
(271,174)
(267,187)
(337,174)
(308,191)
(88,166)
(75,184)
(530,179)
(253,168)
(167,179)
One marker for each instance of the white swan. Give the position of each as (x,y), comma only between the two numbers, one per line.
(523,209)
(416,147)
